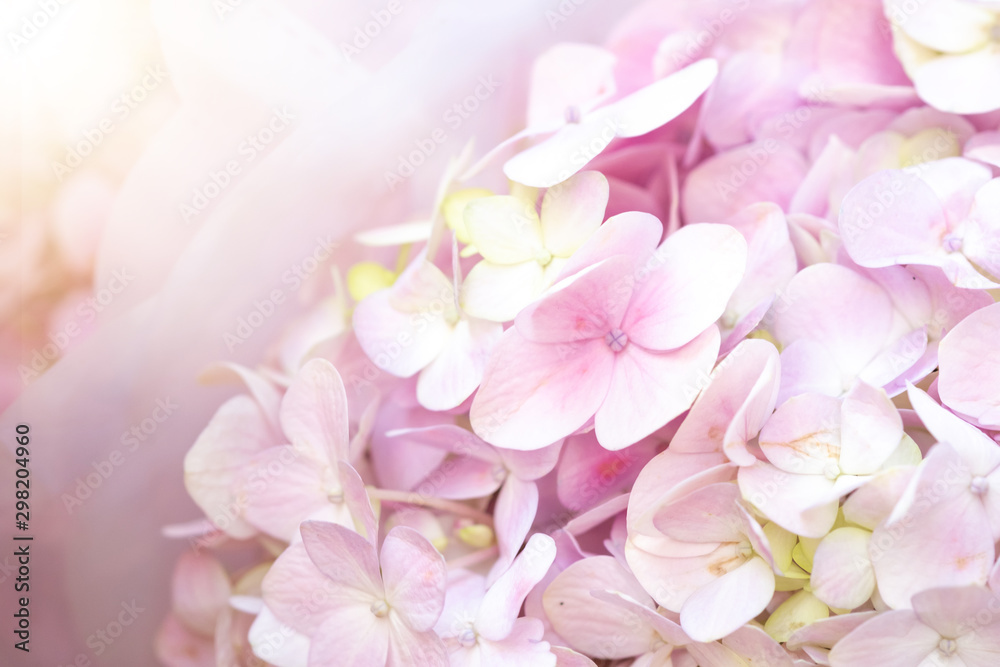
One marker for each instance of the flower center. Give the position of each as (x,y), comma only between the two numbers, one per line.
(379,608)
(948,646)
(616,340)
(543,257)
(979,485)
(467,638)
(573,114)
(951,243)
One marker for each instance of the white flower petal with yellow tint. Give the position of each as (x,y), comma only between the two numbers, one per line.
(504,229)
(498,293)
(572,211)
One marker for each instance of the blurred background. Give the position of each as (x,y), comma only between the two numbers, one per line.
(165,167)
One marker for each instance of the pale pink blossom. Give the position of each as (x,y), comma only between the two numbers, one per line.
(614,330)
(951,626)
(417,326)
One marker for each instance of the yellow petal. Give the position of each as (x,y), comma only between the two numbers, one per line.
(364,278)
(478,535)
(796,612)
(782,542)
(453,210)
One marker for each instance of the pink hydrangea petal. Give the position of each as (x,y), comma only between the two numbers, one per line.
(343,556)
(978,450)
(588,473)
(711,193)
(502,602)
(177,646)
(463,598)
(664,378)
(314,411)
(293,649)
(534,394)
(869,505)
(568,74)
(734,406)
(891,638)
(294,577)
(824,297)
(661,101)
(672,579)
(572,211)
(891,217)
(452,377)
(668,630)
(669,476)
(464,478)
(414,573)
(380,327)
(350,636)
(358,503)
(724,605)
(553,160)
(754,645)
(523,646)
(803,434)
(898,360)
(808,367)
(922,545)
(803,504)
(262,390)
(532,465)
(870,430)
(585,306)
(954,612)
(706,515)
(633,234)
(969,381)
(277,503)
(586,624)
(566,657)
(770,255)
(407,647)
(513,515)
(827,632)
(201,590)
(666,309)
(448,437)
(216,465)
(842,575)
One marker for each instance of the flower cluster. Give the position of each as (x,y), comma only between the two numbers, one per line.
(699,368)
